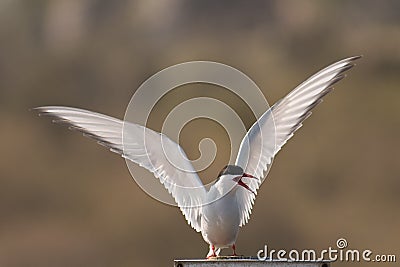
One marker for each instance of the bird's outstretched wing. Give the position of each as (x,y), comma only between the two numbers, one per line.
(258,148)
(144,147)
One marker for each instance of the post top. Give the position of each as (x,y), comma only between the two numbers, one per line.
(231,261)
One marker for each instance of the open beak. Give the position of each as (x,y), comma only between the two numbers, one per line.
(241,183)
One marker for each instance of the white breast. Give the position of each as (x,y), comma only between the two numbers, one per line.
(221,218)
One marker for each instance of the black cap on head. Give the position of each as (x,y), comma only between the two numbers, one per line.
(231,170)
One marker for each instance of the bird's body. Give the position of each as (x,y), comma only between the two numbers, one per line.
(220,219)
(220,212)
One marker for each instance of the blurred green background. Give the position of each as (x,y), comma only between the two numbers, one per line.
(65,201)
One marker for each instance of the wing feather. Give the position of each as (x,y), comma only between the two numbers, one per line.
(287,115)
(144,147)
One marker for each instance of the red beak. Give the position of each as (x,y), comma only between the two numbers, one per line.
(245,186)
(241,183)
(249,175)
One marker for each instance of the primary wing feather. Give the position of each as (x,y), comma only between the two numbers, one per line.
(287,115)
(144,147)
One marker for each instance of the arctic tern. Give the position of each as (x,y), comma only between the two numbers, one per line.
(220,212)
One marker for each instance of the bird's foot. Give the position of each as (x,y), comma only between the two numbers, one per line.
(212,253)
(234,250)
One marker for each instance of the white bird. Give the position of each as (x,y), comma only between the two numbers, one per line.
(220,212)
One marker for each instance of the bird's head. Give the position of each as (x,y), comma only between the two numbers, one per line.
(237,173)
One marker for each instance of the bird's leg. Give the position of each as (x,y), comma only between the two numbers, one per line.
(211,254)
(234,250)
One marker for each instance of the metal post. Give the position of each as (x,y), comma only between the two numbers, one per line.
(246,262)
